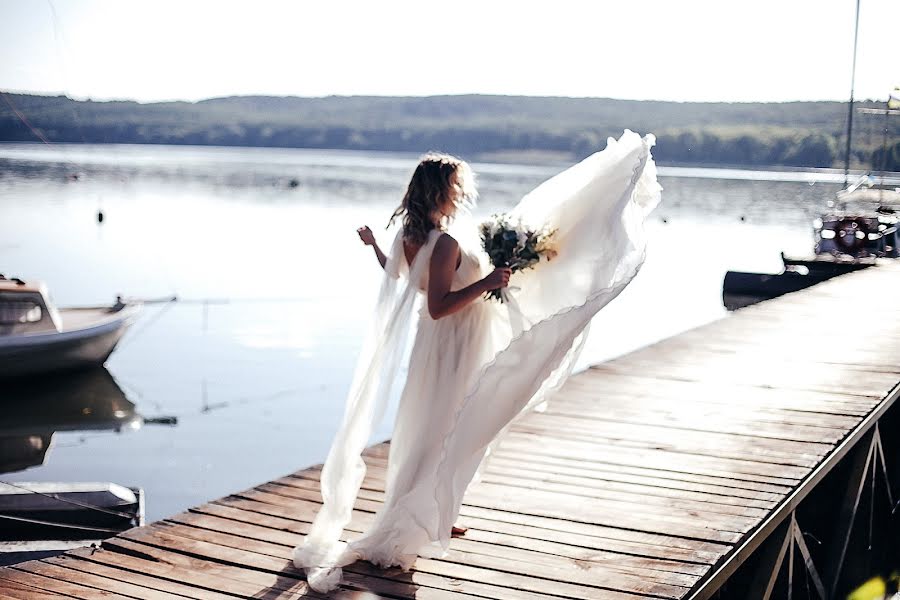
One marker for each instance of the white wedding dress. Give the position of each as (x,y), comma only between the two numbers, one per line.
(471,373)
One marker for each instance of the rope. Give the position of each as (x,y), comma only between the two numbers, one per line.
(175,298)
(169,301)
(146,325)
(70,501)
(37,132)
(24,119)
(62,67)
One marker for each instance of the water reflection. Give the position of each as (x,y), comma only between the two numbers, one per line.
(35,409)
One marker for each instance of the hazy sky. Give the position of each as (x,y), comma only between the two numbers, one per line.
(686,50)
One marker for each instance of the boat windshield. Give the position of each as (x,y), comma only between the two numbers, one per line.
(17,312)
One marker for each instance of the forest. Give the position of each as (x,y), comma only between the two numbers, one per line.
(791,134)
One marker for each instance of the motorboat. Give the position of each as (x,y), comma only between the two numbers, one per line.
(863,223)
(859,228)
(36,337)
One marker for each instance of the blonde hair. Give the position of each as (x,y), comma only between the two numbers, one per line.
(428,190)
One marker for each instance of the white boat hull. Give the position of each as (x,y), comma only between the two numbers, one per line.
(85,346)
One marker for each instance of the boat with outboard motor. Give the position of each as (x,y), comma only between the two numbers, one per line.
(859,228)
(36,337)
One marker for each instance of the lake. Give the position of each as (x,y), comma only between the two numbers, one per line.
(274,289)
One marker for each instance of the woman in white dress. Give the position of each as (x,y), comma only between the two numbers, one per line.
(475,364)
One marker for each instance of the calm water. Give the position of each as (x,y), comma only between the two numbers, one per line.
(274,288)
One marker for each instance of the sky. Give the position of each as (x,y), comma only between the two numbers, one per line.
(680,50)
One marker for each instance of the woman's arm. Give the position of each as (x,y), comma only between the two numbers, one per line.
(444,258)
(365,234)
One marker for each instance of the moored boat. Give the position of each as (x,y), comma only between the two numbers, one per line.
(36,337)
(41,519)
(859,229)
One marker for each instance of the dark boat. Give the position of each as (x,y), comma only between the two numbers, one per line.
(860,229)
(67,511)
(39,519)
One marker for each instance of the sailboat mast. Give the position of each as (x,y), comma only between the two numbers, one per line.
(850,107)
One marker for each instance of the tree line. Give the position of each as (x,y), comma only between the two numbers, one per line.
(796,134)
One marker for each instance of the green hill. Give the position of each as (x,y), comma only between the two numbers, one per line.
(789,134)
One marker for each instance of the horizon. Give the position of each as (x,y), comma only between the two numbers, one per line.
(459,95)
(699,51)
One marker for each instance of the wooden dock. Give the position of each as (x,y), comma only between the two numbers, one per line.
(655,475)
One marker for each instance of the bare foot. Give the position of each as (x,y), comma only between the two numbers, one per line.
(457,531)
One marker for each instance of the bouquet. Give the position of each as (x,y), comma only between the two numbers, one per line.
(514,245)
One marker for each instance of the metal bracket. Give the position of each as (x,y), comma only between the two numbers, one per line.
(867,455)
(772,562)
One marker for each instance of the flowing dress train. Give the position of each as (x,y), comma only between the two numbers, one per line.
(473,372)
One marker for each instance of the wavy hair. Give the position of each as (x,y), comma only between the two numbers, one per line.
(429,187)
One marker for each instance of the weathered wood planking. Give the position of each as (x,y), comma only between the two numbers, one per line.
(645,474)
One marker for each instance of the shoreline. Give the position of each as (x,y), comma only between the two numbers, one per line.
(535,158)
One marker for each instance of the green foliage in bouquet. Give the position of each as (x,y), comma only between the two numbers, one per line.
(515,246)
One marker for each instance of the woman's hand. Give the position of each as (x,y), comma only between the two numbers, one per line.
(499,278)
(365,234)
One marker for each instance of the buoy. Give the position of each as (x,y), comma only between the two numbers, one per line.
(99,216)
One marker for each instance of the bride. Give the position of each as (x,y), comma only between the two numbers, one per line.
(474,365)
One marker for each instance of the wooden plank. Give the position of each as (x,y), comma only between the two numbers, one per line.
(683,523)
(17,591)
(211,579)
(480,568)
(796,451)
(50,584)
(600,469)
(631,556)
(484,541)
(638,386)
(562,525)
(236,574)
(862,358)
(263,556)
(726,505)
(822,379)
(610,403)
(518,474)
(79,560)
(598,570)
(56,570)
(530,529)
(793,353)
(645,478)
(660,457)
(760,368)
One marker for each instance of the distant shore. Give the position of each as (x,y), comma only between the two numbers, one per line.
(494,128)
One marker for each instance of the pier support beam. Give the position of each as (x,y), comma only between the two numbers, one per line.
(867,457)
(774,558)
